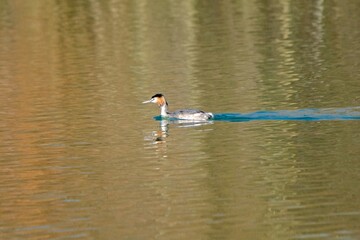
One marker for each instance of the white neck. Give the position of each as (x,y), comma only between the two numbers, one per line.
(163,110)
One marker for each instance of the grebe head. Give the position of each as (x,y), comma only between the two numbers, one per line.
(159,99)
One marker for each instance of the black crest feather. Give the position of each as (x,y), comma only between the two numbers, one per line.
(157,95)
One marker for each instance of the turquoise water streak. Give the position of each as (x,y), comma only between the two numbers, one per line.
(308,114)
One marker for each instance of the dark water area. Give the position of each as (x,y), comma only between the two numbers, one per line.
(82,158)
(351,113)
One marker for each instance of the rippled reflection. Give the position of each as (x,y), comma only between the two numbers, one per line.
(163,132)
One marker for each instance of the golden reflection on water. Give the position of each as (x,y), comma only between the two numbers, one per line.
(82,158)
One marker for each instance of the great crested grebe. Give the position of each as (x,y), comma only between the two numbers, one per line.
(186,114)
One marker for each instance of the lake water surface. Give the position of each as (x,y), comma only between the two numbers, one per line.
(82,158)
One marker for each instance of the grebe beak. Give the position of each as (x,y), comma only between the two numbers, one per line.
(149,101)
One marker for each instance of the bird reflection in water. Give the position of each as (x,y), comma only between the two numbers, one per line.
(160,135)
